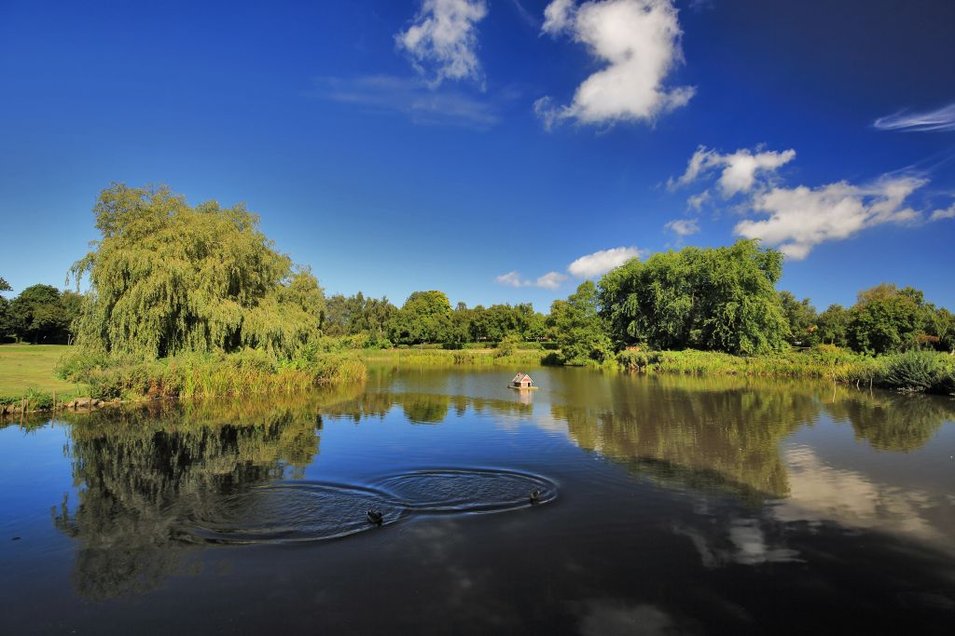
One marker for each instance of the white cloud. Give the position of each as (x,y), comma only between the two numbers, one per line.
(801,218)
(947,213)
(640,42)
(683,227)
(601,262)
(559,16)
(941,120)
(740,169)
(411,97)
(697,201)
(589,266)
(550,280)
(444,37)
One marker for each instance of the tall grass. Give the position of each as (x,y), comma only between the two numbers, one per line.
(913,371)
(248,372)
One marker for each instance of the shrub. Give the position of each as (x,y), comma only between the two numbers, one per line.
(507,346)
(917,371)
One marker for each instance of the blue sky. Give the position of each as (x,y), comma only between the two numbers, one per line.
(499,150)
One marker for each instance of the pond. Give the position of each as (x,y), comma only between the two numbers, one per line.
(440,501)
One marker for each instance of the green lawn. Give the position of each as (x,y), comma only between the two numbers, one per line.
(23,367)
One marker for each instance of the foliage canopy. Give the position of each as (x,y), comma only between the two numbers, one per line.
(720,299)
(167,278)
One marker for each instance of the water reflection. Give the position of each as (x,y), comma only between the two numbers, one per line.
(148,475)
(726,432)
(143,471)
(722,448)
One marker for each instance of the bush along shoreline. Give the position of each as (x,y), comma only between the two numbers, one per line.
(195,375)
(910,372)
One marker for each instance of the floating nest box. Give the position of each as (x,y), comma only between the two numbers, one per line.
(522,381)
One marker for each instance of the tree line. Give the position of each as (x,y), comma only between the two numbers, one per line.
(166,278)
(40,314)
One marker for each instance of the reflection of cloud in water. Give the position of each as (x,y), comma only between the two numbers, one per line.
(546,420)
(607,617)
(751,547)
(741,540)
(819,492)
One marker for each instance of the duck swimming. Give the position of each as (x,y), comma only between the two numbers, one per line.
(375,516)
(535,496)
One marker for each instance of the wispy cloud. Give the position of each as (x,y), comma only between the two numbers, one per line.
(526,16)
(941,120)
(442,42)
(601,262)
(638,40)
(550,280)
(740,169)
(947,213)
(801,218)
(697,201)
(683,227)
(411,97)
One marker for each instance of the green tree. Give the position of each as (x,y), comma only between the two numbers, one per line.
(166,277)
(577,327)
(424,318)
(942,326)
(38,315)
(887,319)
(6,322)
(802,319)
(834,326)
(721,299)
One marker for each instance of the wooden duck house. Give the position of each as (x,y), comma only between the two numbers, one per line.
(522,381)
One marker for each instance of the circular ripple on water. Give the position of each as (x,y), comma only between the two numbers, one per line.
(291,511)
(452,490)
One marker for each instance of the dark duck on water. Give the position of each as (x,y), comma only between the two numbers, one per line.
(375,517)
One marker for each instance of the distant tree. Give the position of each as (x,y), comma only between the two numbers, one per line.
(834,326)
(721,299)
(424,318)
(577,327)
(886,319)
(351,315)
(72,304)
(38,315)
(6,325)
(166,277)
(944,326)
(460,330)
(802,318)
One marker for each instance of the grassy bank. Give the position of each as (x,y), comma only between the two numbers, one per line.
(917,371)
(28,372)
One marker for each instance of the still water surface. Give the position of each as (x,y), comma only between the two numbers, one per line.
(660,505)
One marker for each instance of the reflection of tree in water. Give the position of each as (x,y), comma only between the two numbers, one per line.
(144,472)
(421,408)
(895,422)
(723,433)
(726,431)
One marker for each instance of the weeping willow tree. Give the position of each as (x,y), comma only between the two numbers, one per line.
(167,278)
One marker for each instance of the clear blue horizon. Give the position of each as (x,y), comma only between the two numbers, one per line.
(497,150)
